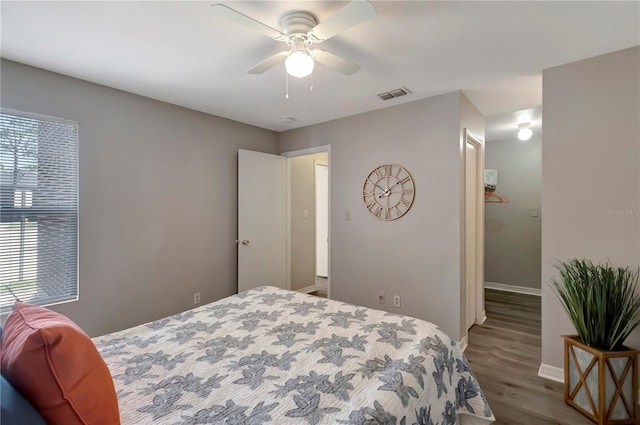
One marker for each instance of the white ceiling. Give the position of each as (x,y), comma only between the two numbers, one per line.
(180,53)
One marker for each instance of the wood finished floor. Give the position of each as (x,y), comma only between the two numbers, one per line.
(322,293)
(504,354)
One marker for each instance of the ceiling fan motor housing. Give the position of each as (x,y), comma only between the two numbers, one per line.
(297,23)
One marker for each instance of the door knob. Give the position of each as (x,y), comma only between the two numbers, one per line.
(245,242)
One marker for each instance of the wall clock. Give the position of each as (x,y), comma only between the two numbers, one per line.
(388,192)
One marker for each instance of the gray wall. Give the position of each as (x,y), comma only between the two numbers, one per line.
(417,256)
(303,229)
(591,169)
(158,197)
(512,236)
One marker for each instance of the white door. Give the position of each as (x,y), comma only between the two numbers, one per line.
(471,206)
(322,219)
(262,220)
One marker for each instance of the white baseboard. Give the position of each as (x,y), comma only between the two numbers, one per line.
(513,288)
(307,289)
(551,372)
(463,343)
(483,318)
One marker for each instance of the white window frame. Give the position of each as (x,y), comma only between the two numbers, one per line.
(63,221)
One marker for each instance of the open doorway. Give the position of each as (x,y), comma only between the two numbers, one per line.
(513,228)
(308,221)
(512,270)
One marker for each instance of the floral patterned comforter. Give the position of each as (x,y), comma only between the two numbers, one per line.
(270,356)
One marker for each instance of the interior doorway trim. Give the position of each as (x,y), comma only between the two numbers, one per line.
(321,225)
(304,152)
(480,315)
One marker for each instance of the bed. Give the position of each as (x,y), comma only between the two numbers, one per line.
(271,356)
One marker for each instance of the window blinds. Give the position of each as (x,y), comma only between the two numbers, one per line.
(38,209)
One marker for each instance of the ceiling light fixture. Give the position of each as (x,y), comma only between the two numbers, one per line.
(299,63)
(525,131)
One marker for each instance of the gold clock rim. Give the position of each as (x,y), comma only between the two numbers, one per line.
(412,196)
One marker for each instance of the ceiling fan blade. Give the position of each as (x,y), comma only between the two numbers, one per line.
(336,62)
(351,15)
(268,63)
(246,21)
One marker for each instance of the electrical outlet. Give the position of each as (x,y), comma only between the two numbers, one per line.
(196,298)
(396,300)
(381,297)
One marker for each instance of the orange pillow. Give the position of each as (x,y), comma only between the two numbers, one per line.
(55,366)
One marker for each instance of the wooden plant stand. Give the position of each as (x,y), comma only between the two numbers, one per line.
(602,385)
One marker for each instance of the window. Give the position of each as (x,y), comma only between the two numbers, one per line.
(38,209)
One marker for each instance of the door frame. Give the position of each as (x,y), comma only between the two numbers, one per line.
(304,152)
(318,163)
(472,151)
(480,315)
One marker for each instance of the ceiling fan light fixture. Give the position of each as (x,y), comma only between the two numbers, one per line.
(299,64)
(525,131)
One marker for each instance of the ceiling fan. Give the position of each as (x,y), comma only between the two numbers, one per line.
(300,30)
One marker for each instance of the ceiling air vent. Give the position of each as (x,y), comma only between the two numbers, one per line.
(394,93)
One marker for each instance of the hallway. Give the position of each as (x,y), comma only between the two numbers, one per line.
(504,354)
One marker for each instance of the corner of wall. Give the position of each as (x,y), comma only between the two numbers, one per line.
(601,94)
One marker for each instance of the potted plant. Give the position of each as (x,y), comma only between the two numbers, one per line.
(600,374)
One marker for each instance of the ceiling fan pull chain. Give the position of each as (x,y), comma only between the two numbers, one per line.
(286,90)
(311,88)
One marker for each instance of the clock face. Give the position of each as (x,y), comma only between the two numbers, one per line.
(388,192)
